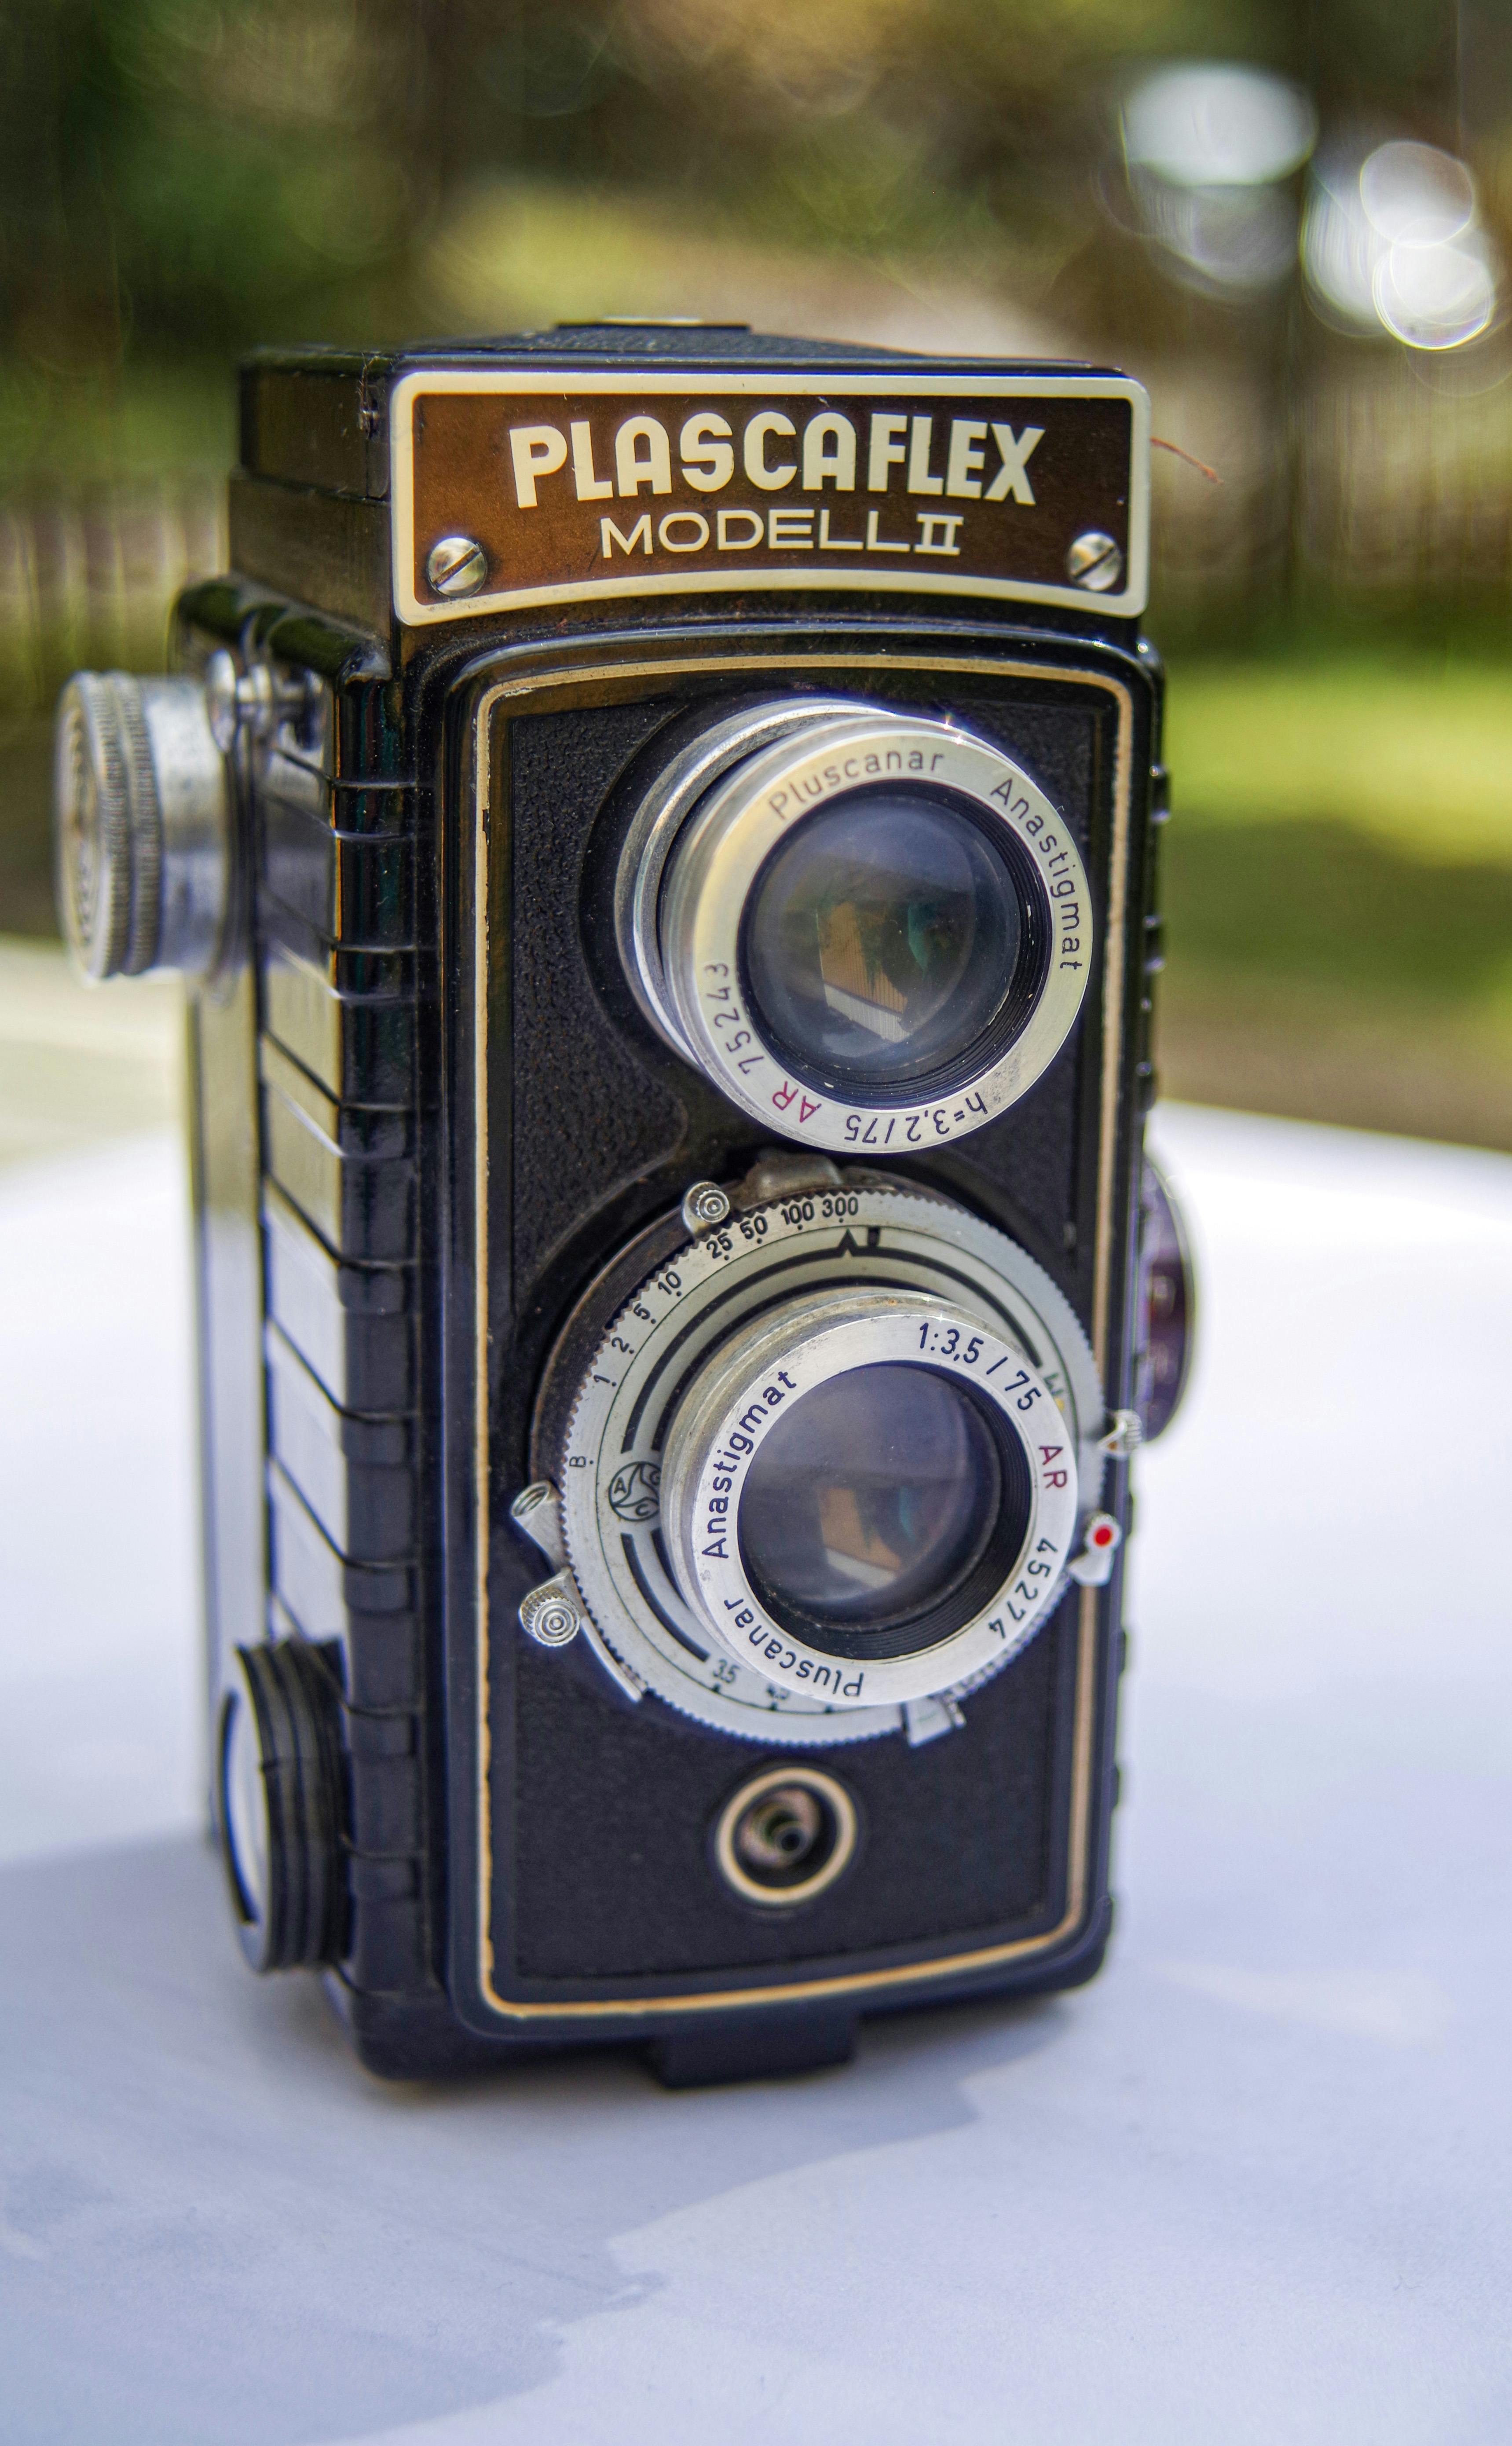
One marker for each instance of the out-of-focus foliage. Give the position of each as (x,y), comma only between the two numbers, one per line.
(1414,754)
(177,173)
(182,176)
(1338,889)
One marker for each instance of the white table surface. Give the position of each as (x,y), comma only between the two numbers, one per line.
(1250,2187)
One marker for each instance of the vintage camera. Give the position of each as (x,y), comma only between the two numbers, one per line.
(660,826)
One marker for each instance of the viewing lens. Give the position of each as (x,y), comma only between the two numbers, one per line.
(882,938)
(870,1504)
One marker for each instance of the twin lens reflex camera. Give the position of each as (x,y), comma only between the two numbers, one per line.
(660,831)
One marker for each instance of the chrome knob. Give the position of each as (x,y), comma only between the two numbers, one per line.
(142,823)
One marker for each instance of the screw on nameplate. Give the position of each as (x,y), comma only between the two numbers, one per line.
(457,565)
(1124,1436)
(551,1615)
(704,1208)
(1093,1567)
(537,1513)
(1094,561)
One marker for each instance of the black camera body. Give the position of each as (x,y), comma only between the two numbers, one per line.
(662,827)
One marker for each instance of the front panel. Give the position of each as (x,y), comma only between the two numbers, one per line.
(587,1891)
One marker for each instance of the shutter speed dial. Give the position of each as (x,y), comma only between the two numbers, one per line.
(825,1462)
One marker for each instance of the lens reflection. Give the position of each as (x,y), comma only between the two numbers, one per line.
(871,1501)
(882,938)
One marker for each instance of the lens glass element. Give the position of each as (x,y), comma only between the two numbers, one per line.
(869,1504)
(882,938)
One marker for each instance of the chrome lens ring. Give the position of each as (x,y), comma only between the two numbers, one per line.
(690,968)
(659,820)
(735,1403)
(615,1383)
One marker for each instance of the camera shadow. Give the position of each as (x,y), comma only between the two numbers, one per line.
(217,2228)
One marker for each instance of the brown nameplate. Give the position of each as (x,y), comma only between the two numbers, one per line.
(578,485)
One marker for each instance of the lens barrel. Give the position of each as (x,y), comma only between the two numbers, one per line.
(824,1459)
(853,1486)
(868,928)
(872,1506)
(883,940)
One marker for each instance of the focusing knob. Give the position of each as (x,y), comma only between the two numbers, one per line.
(280,1806)
(141,821)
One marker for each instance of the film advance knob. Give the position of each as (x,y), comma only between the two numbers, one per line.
(142,819)
(280,1805)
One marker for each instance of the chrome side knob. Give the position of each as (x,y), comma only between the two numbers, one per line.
(142,824)
(1166,1312)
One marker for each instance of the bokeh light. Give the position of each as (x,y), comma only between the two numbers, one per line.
(1209,148)
(1391,244)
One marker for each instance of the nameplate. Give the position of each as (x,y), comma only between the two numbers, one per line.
(522,489)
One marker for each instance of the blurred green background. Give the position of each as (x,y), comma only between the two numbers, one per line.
(1290,220)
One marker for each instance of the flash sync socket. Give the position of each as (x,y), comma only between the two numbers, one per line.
(786,1836)
(869,929)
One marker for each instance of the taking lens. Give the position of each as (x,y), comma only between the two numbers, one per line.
(883,938)
(871,1505)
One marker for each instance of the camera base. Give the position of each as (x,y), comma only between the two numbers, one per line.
(763,2049)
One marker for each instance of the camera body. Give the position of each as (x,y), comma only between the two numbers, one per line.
(661,826)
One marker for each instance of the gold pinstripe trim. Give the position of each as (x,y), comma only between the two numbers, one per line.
(907,1974)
